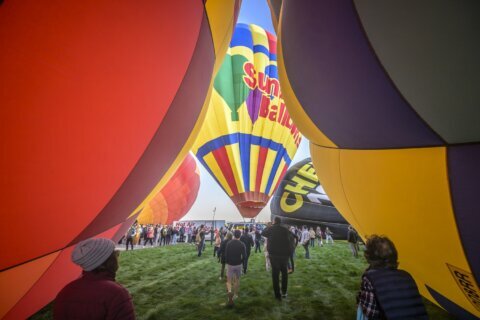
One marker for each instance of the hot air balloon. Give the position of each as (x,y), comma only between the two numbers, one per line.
(248,138)
(388,95)
(176,197)
(99,101)
(300,199)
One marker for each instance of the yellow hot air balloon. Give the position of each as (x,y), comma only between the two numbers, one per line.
(248,139)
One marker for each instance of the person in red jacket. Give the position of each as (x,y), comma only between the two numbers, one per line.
(95,295)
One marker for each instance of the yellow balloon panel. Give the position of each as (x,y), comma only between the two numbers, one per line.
(403,193)
(222,25)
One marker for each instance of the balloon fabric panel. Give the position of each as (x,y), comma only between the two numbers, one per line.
(94,134)
(176,198)
(15,282)
(448,78)
(387,120)
(99,126)
(248,138)
(372,94)
(60,272)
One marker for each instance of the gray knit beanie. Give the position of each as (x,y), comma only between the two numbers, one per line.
(91,253)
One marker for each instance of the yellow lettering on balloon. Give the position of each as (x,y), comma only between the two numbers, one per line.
(300,185)
(290,207)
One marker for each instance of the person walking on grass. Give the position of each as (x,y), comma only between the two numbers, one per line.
(279,246)
(218,242)
(247,240)
(95,295)
(221,252)
(235,255)
(200,239)
(328,235)
(318,233)
(387,292)
(129,236)
(305,241)
(291,262)
(258,239)
(352,241)
(312,237)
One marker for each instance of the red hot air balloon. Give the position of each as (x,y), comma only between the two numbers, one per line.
(93,114)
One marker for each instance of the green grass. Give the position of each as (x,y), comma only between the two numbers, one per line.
(173,283)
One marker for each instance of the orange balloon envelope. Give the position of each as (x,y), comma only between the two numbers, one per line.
(98,100)
(177,196)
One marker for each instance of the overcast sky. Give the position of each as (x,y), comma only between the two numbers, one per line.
(210,194)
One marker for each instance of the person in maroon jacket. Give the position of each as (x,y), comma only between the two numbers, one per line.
(95,295)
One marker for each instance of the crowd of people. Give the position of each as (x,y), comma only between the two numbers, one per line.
(96,295)
(142,235)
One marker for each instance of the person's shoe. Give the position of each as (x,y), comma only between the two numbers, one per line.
(230,299)
(278,298)
(284,295)
(235,296)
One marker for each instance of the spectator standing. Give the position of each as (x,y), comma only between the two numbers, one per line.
(387,292)
(136,239)
(312,237)
(305,241)
(318,233)
(247,240)
(221,253)
(235,254)
(258,239)
(200,239)
(279,247)
(352,241)
(291,262)
(218,242)
(149,236)
(129,236)
(212,235)
(95,295)
(328,235)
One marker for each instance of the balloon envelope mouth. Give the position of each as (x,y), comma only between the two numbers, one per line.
(250,203)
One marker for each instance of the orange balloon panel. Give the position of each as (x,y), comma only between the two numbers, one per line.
(59,271)
(176,198)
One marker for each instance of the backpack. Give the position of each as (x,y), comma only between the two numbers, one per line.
(133,232)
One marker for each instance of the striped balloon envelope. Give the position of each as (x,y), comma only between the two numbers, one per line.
(176,197)
(388,94)
(248,138)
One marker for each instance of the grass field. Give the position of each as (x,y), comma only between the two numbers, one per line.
(173,283)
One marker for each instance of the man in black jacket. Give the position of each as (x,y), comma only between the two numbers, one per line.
(221,252)
(247,240)
(279,247)
(235,254)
